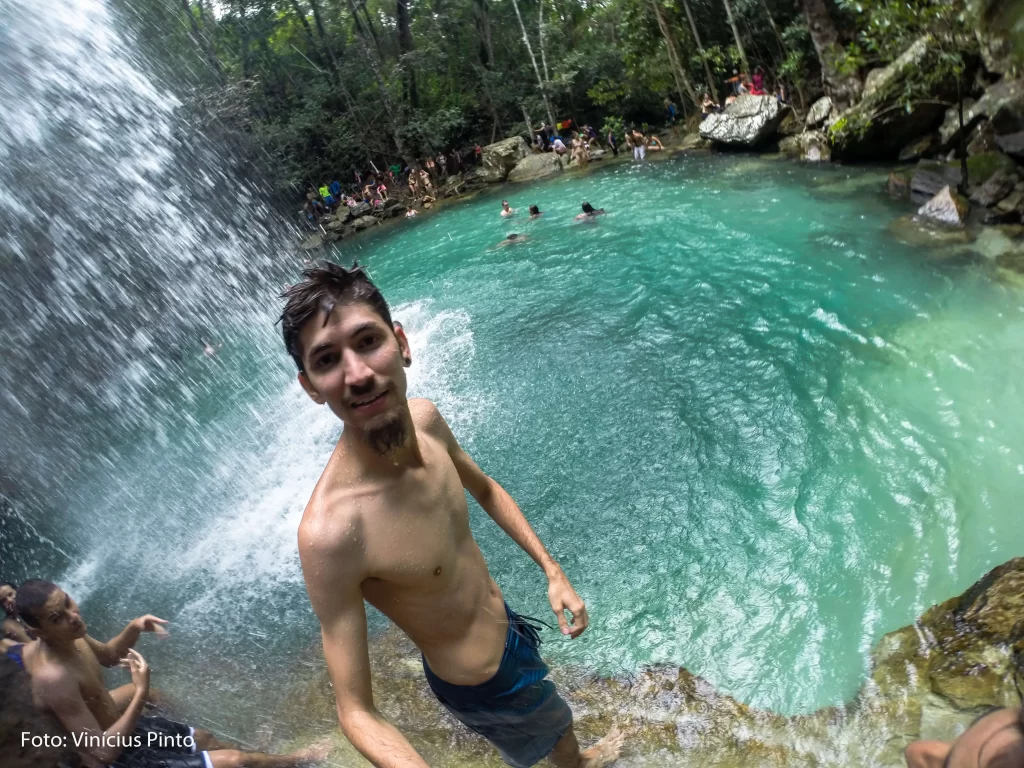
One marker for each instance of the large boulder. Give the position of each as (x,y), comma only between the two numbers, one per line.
(1002,105)
(750,121)
(359,210)
(996,187)
(947,207)
(536,167)
(885,120)
(819,112)
(363,222)
(930,176)
(1000,30)
(498,159)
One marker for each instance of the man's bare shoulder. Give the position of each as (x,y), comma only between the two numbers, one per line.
(333,521)
(426,417)
(51,680)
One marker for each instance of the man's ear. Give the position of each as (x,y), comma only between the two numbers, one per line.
(315,396)
(403,345)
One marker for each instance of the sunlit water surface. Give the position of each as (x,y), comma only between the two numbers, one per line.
(757,432)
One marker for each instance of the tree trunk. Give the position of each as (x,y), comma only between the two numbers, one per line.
(405,47)
(844,89)
(700,48)
(540,35)
(736,36)
(482,19)
(533,60)
(314,49)
(243,30)
(775,29)
(202,42)
(683,84)
(322,32)
(382,88)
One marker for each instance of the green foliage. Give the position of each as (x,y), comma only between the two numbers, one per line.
(615,125)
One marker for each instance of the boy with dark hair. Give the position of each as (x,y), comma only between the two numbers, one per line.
(64,663)
(11,630)
(388,524)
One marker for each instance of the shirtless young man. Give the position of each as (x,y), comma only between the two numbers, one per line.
(388,523)
(64,664)
(505,210)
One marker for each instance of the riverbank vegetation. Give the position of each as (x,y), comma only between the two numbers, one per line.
(317,88)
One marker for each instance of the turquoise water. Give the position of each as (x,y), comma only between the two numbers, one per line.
(757,431)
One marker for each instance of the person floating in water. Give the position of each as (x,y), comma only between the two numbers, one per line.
(12,631)
(588,212)
(67,681)
(513,237)
(654,144)
(505,210)
(535,212)
(994,740)
(388,524)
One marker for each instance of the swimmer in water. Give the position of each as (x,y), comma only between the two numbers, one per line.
(388,525)
(505,210)
(588,212)
(513,237)
(535,212)
(994,740)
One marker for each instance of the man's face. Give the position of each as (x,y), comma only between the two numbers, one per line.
(355,363)
(59,619)
(504,204)
(7,594)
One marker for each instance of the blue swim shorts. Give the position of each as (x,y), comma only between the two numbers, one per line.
(517,710)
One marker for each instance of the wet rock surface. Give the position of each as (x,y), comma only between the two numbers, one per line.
(927,680)
(750,121)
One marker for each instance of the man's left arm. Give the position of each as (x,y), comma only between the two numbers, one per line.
(110,653)
(501,507)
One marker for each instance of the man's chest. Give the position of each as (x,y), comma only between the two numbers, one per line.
(421,527)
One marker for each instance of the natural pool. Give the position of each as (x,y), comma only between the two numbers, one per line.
(757,431)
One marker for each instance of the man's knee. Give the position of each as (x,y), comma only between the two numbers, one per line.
(227,758)
(926,754)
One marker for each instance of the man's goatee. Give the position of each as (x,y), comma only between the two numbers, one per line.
(387,436)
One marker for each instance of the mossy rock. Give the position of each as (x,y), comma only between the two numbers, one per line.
(980,167)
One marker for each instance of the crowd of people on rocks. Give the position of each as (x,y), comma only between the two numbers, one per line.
(420,181)
(741,85)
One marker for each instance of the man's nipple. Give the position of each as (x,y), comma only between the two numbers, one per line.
(437,571)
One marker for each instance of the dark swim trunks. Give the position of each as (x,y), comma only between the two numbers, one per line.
(163,745)
(517,710)
(14,653)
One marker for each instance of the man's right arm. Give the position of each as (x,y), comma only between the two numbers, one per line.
(59,692)
(333,573)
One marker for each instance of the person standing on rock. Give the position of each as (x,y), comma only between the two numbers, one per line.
(388,525)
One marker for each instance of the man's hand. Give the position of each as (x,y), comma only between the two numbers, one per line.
(152,624)
(564,598)
(139,669)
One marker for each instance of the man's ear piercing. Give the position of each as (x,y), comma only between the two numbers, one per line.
(407,360)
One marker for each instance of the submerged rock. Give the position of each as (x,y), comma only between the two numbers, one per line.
(536,167)
(810,145)
(363,222)
(498,159)
(898,185)
(947,207)
(750,121)
(914,231)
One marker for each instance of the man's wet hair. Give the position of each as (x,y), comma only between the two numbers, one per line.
(534,210)
(588,208)
(31,597)
(323,287)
